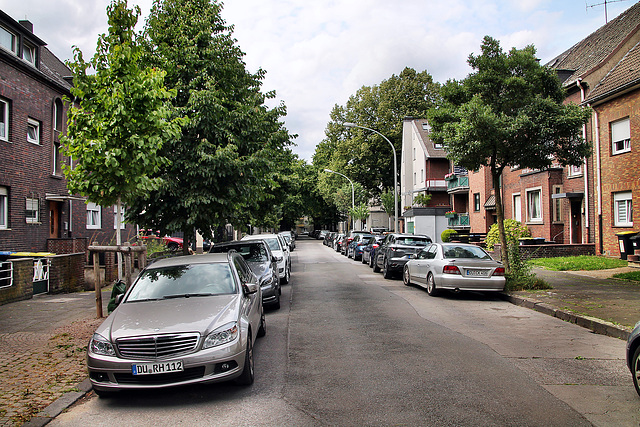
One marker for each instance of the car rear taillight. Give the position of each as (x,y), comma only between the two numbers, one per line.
(375,246)
(450,269)
(499,271)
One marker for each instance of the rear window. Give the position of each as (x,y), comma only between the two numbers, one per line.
(453,251)
(413,241)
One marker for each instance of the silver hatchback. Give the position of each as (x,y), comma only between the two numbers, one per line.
(185,320)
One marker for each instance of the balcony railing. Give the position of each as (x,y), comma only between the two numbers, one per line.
(458,184)
(460,220)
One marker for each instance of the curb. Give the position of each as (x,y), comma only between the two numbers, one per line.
(597,326)
(59,405)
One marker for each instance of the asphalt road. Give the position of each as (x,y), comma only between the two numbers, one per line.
(348,347)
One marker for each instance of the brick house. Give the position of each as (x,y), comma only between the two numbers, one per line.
(37,213)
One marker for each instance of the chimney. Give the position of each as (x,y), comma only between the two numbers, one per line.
(27,24)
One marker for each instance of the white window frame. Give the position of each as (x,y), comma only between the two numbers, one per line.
(477,204)
(35,125)
(94,216)
(4,208)
(623,209)
(32,205)
(4,116)
(115,224)
(56,159)
(534,206)
(557,204)
(58,111)
(621,136)
(32,54)
(13,48)
(517,207)
(575,170)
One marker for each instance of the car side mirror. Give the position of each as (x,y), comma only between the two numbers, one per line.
(250,288)
(119,299)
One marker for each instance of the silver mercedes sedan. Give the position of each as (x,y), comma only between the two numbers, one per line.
(185,320)
(454,266)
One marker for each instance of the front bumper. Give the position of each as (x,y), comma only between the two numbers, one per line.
(217,364)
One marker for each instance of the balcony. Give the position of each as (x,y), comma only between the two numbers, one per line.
(457,183)
(459,221)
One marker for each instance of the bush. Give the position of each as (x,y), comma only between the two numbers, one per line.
(513,230)
(445,236)
(521,277)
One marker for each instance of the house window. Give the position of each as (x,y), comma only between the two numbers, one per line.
(57,114)
(4,119)
(29,54)
(414,178)
(32,214)
(575,170)
(422,175)
(8,40)
(414,153)
(93,216)
(621,136)
(557,204)
(33,131)
(115,218)
(56,158)
(476,202)
(623,209)
(517,208)
(534,205)
(4,208)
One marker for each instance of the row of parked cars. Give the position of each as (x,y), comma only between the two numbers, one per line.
(434,266)
(192,319)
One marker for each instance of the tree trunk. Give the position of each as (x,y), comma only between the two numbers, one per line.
(119,235)
(500,214)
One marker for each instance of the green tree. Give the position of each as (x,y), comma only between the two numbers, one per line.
(225,164)
(421,199)
(508,113)
(121,121)
(359,212)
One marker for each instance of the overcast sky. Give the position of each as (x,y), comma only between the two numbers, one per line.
(318,53)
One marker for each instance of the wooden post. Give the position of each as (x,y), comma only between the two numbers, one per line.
(127,264)
(98,287)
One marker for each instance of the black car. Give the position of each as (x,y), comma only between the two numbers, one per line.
(262,263)
(396,249)
(369,250)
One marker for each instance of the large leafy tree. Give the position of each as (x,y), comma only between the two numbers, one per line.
(120,118)
(364,156)
(224,163)
(509,112)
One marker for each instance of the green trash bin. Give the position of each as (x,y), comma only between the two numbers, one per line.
(118,288)
(625,243)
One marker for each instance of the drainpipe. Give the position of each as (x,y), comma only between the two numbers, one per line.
(598,180)
(585,239)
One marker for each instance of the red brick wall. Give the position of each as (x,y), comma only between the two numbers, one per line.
(619,172)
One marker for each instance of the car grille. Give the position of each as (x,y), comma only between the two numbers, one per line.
(157,346)
(160,379)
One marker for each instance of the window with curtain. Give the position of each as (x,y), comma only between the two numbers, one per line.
(621,136)
(623,209)
(93,216)
(534,208)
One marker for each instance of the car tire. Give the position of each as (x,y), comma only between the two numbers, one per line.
(431,286)
(286,277)
(349,254)
(370,261)
(262,330)
(385,270)
(173,247)
(103,394)
(376,268)
(362,260)
(247,375)
(406,276)
(635,369)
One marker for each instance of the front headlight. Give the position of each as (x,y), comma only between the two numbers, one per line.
(101,345)
(222,335)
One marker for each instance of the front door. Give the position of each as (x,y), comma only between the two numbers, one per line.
(54,220)
(576,221)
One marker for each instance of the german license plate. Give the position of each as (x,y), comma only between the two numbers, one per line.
(471,272)
(156,368)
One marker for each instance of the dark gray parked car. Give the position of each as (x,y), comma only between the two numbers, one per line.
(185,320)
(395,250)
(262,262)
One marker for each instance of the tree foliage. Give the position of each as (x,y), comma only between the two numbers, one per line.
(226,163)
(508,113)
(117,130)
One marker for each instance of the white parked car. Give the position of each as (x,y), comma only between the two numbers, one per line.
(279,249)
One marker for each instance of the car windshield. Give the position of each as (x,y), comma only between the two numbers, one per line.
(412,241)
(251,252)
(455,251)
(183,281)
(273,244)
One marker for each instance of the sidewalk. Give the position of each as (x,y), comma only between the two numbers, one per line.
(43,340)
(42,354)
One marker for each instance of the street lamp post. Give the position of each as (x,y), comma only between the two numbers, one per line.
(353,198)
(395,171)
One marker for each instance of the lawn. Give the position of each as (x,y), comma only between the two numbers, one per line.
(575,263)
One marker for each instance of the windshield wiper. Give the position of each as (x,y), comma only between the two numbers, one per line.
(187,295)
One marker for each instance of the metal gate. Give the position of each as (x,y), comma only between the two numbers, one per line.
(41,275)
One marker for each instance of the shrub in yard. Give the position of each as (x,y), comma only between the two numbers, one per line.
(521,277)
(513,230)
(445,236)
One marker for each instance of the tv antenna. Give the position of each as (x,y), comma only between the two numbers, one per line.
(605,2)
